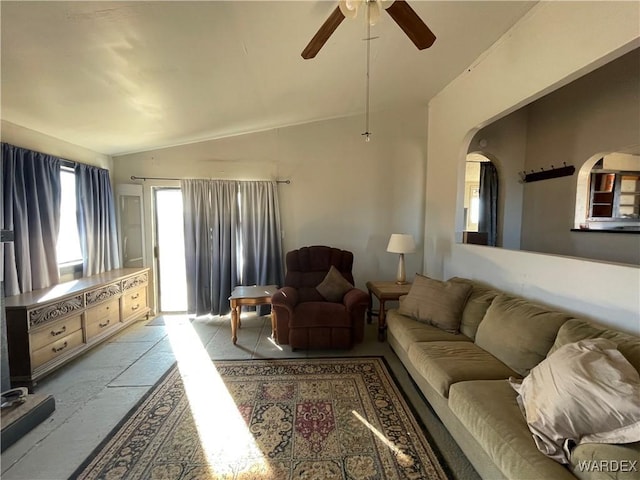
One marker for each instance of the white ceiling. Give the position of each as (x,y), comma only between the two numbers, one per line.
(119,77)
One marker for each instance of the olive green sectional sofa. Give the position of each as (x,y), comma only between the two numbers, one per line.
(464,372)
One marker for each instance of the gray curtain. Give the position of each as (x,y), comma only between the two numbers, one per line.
(31,205)
(230,239)
(96,220)
(260,236)
(488,208)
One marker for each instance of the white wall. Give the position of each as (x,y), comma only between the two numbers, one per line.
(343,192)
(552,45)
(574,285)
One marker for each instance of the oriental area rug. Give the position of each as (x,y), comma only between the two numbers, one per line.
(311,419)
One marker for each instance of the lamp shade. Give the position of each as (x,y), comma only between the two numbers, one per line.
(401,243)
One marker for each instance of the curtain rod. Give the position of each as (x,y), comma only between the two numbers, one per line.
(133,177)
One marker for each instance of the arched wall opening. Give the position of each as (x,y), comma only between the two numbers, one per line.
(596,113)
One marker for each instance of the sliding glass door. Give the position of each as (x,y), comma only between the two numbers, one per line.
(169,250)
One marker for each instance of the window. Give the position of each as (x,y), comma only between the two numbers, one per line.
(68,245)
(615,195)
(474,217)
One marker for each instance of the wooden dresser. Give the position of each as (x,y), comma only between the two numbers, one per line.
(49,327)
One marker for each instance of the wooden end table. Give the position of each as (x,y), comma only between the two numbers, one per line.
(384,291)
(255,295)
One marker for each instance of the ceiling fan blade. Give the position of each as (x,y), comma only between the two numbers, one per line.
(411,24)
(321,37)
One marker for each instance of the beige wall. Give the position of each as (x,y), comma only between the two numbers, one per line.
(555,43)
(593,116)
(344,192)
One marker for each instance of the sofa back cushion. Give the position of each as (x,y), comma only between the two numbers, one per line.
(576,329)
(437,303)
(477,304)
(518,332)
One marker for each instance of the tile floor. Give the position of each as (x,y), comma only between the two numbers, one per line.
(94,392)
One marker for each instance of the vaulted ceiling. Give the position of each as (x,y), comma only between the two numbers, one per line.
(119,77)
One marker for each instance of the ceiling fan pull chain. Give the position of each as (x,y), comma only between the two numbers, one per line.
(367,133)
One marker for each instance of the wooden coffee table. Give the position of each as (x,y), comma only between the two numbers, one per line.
(254,295)
(384,291)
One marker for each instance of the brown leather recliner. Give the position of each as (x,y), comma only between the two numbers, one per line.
(303,317)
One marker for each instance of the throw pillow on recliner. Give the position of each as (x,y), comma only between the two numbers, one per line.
(437,303)
(334,286)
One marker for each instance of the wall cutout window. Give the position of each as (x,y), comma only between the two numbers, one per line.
(614,193)
(68,245)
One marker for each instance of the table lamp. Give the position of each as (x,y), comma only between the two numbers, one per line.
(401,243)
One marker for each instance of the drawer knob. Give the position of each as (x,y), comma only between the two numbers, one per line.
(59,332)
(59,349)
(135,297)
(135,307)
(102,325)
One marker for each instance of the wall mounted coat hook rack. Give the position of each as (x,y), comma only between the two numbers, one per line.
(543,174)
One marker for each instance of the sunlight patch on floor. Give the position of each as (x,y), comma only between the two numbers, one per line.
(224,435)
(275,344)
(402,457)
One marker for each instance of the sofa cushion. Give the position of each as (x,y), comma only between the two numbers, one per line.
(407,331)
(477,304)
(334,286)
(585,392)
(490,412)
(603,461)
(575,329)
(435,302)
(518,332)
(445,363)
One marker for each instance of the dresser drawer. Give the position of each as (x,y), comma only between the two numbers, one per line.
(134,302)
(54,331)
(102,317)
(56,349)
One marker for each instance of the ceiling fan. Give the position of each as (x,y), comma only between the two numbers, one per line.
(399,10)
